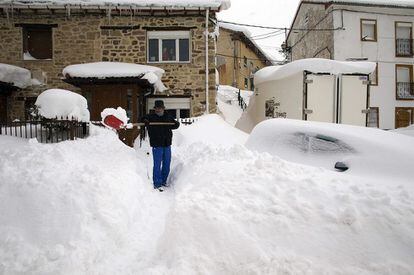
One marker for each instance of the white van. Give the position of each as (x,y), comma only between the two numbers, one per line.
(311,89)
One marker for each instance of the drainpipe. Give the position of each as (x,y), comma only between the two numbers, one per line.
(206,34)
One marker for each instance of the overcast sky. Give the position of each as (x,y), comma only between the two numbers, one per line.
(275,13)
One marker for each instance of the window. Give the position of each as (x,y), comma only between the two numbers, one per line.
(404,82)
(403,39)
(177,107)
(252,83)
(404,117)
(37,42)
(245,61)
(373,117)
(368,30)
(374,77)
(169,46)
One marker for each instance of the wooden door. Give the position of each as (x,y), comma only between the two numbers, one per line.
(404,117)
(3,108)
(113,96)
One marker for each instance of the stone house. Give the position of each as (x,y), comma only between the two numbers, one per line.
(45,38)
(376,31)
(238,57)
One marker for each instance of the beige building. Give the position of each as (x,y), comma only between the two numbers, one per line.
(238,57)
(46,39)
(376,31)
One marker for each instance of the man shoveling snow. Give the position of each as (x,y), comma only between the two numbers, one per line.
(160,141)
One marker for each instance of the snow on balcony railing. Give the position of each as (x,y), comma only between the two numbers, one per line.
(405,90)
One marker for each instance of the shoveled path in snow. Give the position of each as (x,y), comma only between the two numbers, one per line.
(234,211)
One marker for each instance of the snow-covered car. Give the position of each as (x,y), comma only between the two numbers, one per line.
(363,150)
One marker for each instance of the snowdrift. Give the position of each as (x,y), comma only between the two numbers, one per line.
(367,151)
(74,207)
(87,207)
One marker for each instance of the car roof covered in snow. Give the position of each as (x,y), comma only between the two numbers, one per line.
(171,4)
(313,65)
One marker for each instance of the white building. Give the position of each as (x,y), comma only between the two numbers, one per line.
(375,30)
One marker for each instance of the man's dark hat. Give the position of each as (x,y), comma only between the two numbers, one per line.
(159,104)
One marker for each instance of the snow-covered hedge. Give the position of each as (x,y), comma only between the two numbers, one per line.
(62,103)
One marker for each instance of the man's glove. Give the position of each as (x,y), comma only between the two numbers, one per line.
(147,122)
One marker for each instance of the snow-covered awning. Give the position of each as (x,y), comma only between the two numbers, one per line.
(113,70)
(137,4)
(313,65)
(16,76)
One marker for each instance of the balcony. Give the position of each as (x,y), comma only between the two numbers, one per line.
(404,47)
(405,90)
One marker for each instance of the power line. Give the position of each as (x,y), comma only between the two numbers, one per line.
(266,34)
(275,28)
(257,59)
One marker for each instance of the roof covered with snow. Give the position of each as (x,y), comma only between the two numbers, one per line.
(15,76)
(103,70)
(172,4)
(313,65)
(247,34)
(390,3)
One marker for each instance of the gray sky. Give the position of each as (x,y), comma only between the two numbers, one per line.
(275,13)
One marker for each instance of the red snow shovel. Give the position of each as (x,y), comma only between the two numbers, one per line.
(113,122)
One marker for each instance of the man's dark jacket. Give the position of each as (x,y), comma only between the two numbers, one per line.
(160,135)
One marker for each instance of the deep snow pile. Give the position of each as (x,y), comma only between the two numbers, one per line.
(408,131)
(59,103)
(80,207)
(88,207)
(228,104)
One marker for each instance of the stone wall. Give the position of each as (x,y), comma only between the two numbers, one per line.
(79,38)
(310,44)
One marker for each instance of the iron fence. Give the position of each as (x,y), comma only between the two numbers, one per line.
(46,130)
(405,90)
(241,101)
(404,47)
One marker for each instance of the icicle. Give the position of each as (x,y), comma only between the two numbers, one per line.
(7,15)
(68,11)
(108,13)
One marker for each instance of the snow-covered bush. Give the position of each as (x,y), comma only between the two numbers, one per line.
(57,103)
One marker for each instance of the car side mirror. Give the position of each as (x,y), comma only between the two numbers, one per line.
(341,167)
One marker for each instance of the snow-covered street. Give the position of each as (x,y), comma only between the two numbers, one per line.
(88,207)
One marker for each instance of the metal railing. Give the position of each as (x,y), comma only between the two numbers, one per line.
(404,47)
(46,130)
(241,101)
(405,90)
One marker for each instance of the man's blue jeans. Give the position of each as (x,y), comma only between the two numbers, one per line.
(162,161)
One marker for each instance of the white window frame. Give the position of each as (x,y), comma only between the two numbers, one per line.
(171,103)
(163,35)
